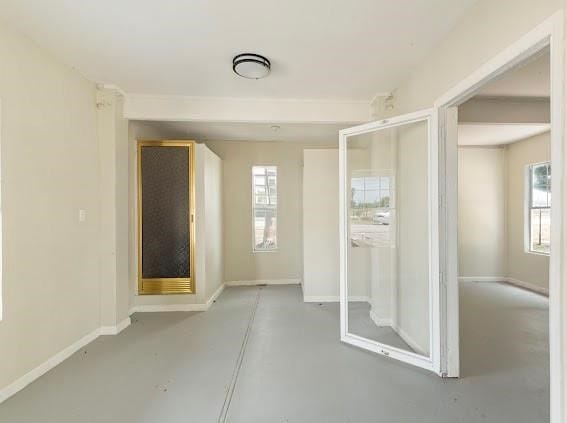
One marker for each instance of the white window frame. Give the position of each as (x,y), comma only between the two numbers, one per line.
(528,192)
(253,195)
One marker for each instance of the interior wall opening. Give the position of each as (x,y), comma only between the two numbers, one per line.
(504,231)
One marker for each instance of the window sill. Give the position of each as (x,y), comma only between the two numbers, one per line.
(537,253)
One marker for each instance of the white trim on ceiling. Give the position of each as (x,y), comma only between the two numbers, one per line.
(210,109)
(114,87)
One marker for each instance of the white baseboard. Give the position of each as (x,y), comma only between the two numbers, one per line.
(331,299)
(401,333)
(321,299)
(482,278)
(58,358)
(46,366)
(379,321)
(157,308)
(115,330)
(215,296)
(529,286)
(506,279)
(264,282)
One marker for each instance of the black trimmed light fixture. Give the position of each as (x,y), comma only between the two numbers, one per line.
(251,66)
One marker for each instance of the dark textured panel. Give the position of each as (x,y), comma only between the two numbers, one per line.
(165,212)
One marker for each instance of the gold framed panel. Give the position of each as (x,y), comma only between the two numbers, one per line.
(164,286)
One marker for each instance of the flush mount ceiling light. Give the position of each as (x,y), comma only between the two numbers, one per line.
(251,66)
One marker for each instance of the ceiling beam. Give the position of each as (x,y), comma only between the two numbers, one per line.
(209,109)
(520,110)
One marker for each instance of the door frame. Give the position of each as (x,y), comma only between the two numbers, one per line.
(432,362)
(548,33)
(164,285)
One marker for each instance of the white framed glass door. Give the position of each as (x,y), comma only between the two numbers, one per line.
(389,269)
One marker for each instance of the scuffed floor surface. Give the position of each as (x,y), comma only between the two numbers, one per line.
(178,367)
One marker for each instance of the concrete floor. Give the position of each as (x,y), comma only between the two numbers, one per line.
(179,367)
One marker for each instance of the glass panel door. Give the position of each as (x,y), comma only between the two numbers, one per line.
(166,224)
(388,281)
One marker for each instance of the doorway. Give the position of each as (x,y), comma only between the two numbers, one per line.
(442,198)
(504,228)
(548,35)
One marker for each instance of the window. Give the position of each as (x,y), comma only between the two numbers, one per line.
(539,208)
(370,212)
(264,207)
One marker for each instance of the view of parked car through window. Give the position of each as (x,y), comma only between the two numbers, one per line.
(370,212)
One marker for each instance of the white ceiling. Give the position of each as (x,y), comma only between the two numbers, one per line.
(316,134)
(530,79)
(319,49)
(497,134)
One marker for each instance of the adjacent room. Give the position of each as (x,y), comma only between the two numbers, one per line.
(282,212)
(504,234)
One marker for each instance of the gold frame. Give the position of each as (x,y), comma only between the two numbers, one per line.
(162,286)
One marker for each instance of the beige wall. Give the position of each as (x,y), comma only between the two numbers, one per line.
(50,170)
(321,235)
(112,131)
(526,267)
(482,212)
(241,264)
(492,210)
(486,29)
(320,224)
(412,308)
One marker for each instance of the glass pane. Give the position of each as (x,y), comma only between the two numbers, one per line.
(265,228)
(388,253)
(260,181)
(260,190)
(541,185)
(540,237)
(369,208)
(258,170)
(265,212)
(261,200)
(165,212)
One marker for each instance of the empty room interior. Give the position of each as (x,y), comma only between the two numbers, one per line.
(283,212)
(504,190)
